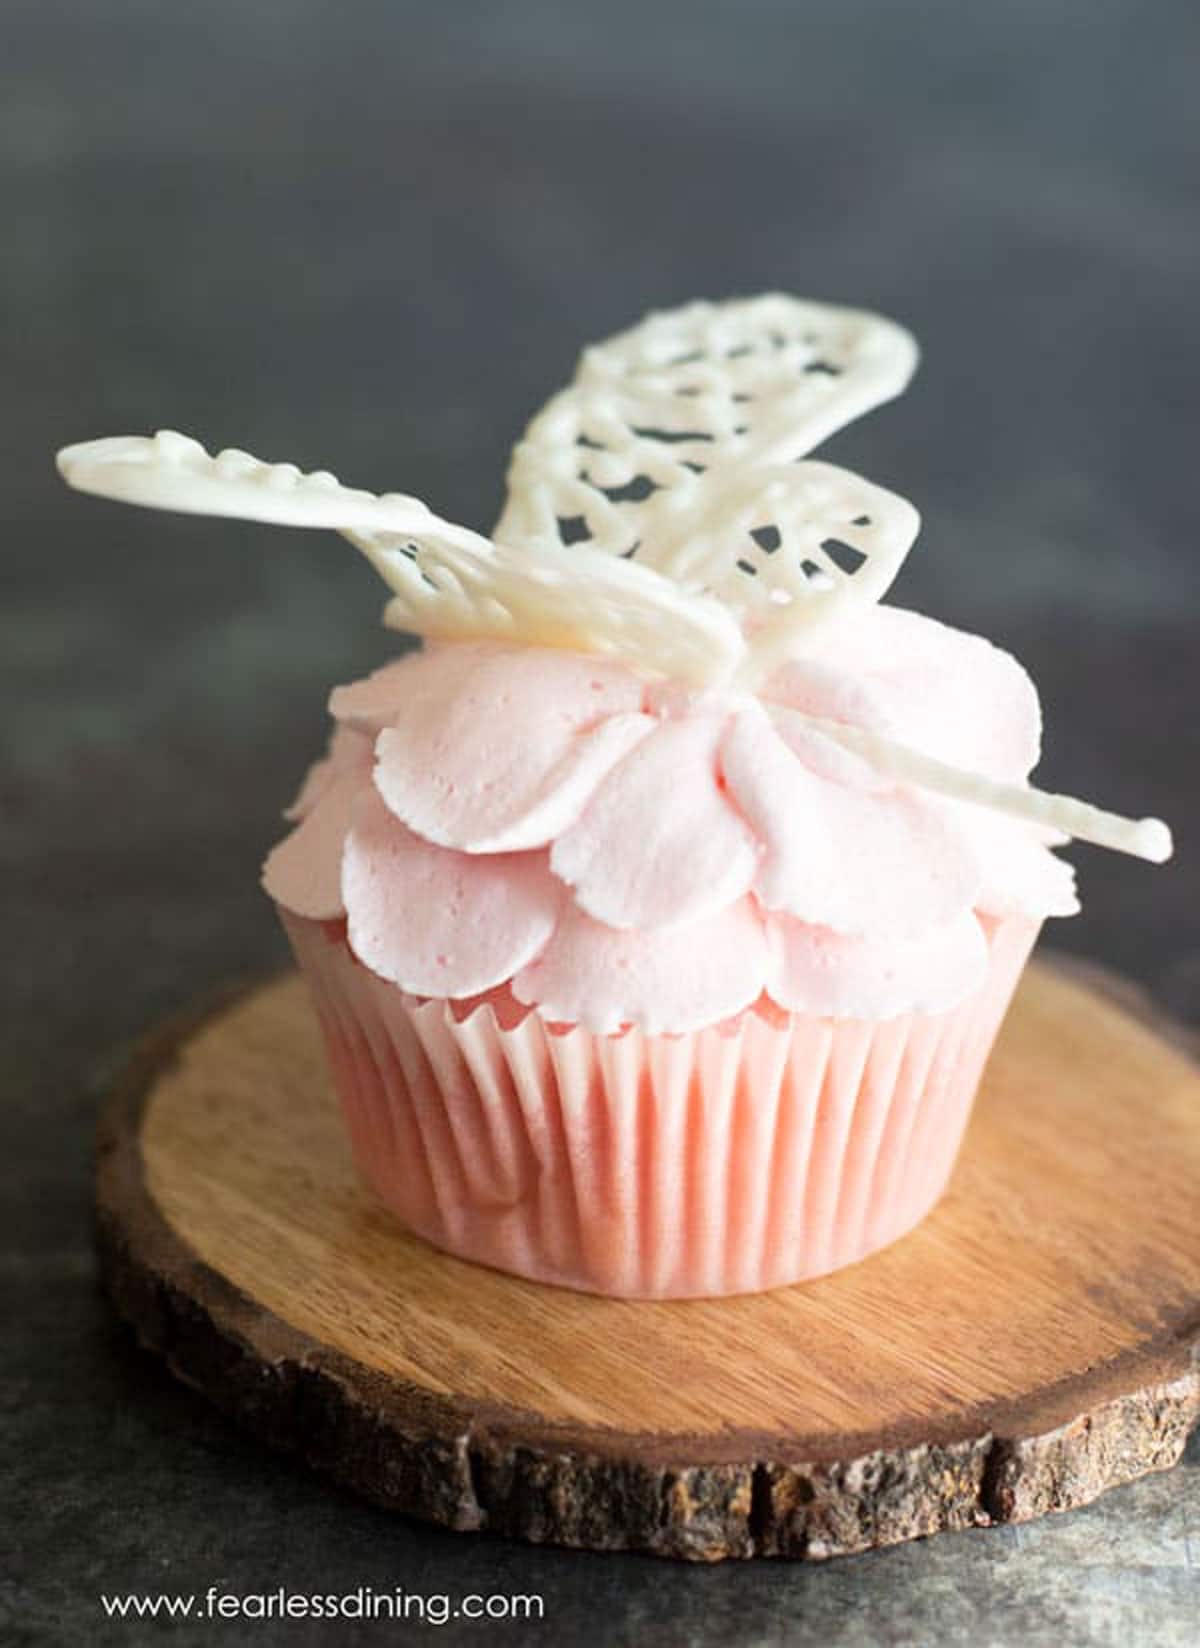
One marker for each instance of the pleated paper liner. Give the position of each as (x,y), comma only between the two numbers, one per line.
(744,1156)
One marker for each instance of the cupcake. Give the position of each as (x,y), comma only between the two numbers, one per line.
(661,910)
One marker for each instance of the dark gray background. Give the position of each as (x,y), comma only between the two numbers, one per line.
(372,235)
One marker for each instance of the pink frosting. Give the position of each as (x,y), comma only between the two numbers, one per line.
(618,852)
(944,692)
(682,977)
(660,843)
(913,868)
(435,921)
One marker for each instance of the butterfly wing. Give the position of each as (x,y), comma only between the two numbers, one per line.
(172,471)
(708,388)
(447,582)
(678,447)
(538,596)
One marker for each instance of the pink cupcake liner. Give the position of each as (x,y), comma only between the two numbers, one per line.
(744,1156)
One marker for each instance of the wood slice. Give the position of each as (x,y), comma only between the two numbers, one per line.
(1029,1345)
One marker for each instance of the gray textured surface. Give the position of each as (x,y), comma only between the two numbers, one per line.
(372,235)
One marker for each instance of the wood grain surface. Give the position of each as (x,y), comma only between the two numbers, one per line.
(1029,1345)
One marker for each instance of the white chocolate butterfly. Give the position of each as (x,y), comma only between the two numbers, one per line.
(658,511)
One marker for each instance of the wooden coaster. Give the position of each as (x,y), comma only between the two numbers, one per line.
(1031,1344)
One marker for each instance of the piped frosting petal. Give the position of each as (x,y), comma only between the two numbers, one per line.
(347,749)
(438,922)
(815,970)
(373,703)
(508,804)
(499,751)
(673,980)
(843,855)
(939,690)
(303,873)
(1022,876)
(659,843)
